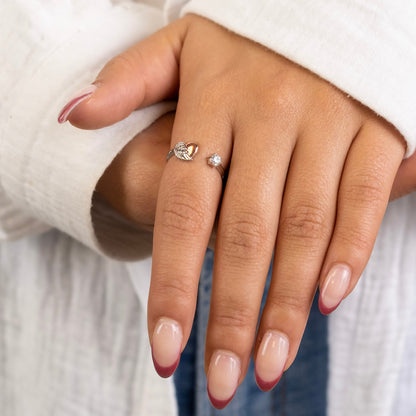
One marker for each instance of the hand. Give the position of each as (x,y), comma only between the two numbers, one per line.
(131,183)
(310,174)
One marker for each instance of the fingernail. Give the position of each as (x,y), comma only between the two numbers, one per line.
(166,346)
(223,375)
(335,285)
(271,359)
(74,101)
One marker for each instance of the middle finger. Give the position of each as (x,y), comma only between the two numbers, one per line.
(245,240)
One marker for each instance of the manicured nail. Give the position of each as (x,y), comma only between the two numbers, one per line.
(223,375)
(74,101)
(271,359)
(334,288)
(166,346)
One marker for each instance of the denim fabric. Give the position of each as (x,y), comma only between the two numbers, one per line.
(300,392)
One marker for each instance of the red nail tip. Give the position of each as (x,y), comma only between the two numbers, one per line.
(324,310)
(219,404)
(165,372)
(63,115)
(266,385)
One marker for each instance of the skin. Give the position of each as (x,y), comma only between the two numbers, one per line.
(131,183)
(310,174)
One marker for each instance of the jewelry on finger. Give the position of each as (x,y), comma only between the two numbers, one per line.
(183,151)
(187,151)
(215,161)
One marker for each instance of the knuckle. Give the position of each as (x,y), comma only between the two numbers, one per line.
(126,61)
(366,189)
(285,100)
(237,316)
(182,290)
(243,236)
(124,66)
(304,222)
(278,100)
(293,304)
(333,103)
(183,215)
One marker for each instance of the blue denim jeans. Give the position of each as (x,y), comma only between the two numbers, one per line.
(300,392)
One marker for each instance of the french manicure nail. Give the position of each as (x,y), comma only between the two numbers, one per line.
(271,359)
(223,375)
(334,288)
(74,101)
(166,346)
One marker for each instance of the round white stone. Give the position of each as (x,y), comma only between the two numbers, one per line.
(215,160)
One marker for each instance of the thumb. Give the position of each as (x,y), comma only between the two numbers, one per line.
(144,74)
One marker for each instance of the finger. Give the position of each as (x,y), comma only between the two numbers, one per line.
(366,183)
(144,74)
(245,241)
(131,183)
(405,181)
(305,226)
(186,208)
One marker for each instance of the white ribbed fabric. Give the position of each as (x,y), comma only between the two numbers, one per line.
(372,336)
(15,223)
(73,337)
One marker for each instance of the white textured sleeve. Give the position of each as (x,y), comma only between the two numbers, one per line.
(15,223)
(48,172)
(365,48)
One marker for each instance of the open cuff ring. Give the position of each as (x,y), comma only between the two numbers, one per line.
(187,151)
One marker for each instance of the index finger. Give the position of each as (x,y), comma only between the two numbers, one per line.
(188,199)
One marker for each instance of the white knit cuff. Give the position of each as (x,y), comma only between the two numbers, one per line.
(15,223)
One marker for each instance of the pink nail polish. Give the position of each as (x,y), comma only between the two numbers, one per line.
(271,359)
(223,375)
(334,288)
(74,101)
(166,346)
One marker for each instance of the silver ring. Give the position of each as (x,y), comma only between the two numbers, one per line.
(183,151)
(215,161)
(187,151)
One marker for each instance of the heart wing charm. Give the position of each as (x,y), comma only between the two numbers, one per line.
(185,151)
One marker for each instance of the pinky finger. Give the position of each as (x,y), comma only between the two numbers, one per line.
(367,179)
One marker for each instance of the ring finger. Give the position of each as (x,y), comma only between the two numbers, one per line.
(305,228)
(245,240)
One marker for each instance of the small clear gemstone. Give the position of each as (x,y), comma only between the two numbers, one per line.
(214,160)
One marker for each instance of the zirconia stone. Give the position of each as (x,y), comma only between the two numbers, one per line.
(215,160)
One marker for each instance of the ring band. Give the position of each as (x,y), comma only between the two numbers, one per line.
(215,161)
(187,151)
